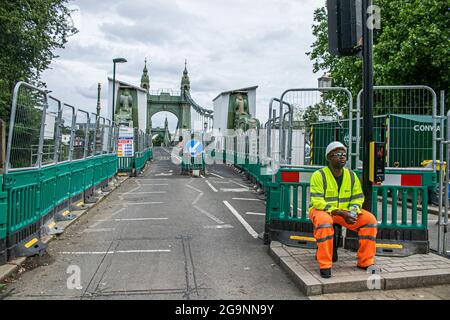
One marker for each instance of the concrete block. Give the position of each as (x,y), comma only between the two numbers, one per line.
(307,283)
(351,283)
(411,279)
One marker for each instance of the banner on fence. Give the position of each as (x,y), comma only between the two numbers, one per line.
(125,142)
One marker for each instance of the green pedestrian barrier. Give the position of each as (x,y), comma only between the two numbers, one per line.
(3,223)
(402,227)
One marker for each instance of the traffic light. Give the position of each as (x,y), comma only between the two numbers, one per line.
(377,162)
(344,27)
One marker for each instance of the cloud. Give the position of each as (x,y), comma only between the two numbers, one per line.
(228,45)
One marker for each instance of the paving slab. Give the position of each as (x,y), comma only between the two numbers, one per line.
(419,270)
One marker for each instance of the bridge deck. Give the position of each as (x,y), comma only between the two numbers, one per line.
(164,236)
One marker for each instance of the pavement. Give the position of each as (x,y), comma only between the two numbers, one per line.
(420,270)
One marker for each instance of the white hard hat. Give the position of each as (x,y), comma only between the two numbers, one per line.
(334,145)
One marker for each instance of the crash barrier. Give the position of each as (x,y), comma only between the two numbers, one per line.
(193,164)
(58,158)
(246,151)
(402,231)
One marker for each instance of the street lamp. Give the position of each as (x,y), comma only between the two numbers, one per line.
(325,81)
(115,60)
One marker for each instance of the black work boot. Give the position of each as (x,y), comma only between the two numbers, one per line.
(373,269)
(325,273)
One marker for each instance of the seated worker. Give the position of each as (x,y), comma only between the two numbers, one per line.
(334,189)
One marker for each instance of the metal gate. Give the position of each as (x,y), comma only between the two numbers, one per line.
(443,241)
(411,124)
(298,100)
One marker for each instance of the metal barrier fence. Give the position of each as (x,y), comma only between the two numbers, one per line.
(333,100)
(400,203)
(57,159)
(406,119)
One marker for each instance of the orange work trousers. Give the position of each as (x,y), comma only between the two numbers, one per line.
(365,225)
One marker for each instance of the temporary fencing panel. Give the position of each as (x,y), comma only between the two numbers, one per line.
(46,170)
(332,102)
(408,138)
(409,110)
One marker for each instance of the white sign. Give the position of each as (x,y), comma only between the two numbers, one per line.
(125,143)
(49,128)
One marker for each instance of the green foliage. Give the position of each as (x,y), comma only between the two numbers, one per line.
(30,30)
(412,47)
(312,113)
(158,140)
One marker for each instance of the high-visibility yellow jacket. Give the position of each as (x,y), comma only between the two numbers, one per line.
(324,191)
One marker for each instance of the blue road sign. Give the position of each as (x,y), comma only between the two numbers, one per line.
(194,147)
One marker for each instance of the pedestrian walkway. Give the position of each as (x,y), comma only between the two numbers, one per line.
(396,273)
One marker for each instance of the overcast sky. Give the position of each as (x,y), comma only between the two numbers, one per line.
(228,45)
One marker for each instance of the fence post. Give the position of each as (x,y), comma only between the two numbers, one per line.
(2,146)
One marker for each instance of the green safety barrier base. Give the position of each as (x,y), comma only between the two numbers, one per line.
(394,242)
(291,233)
(33,199)
(3,252)
(188,165)
(3,222)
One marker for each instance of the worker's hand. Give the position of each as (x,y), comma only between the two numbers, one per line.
(348,218)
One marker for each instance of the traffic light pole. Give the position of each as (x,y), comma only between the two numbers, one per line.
(367,101)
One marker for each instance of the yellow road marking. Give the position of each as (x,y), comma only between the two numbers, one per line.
(79,204)
(311,239)
(65,213)
(51,225)
(30,243)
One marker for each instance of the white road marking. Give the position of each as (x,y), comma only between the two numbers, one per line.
(217,175)
(241,220)
(113,252)
(112,215)
(140,203)
(246,199)
(163,174)
(154,184)
(240,185)
(202,176)
(198,197)
(220,226)
(234,190)
(132,190)
(153,179)
(255,213)
(132,219)
(89,230)
(211,186)
(142,192)
(209,215)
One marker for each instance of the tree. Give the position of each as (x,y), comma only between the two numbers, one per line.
(312,113)
(411,48)
(30,30)
(158,140)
